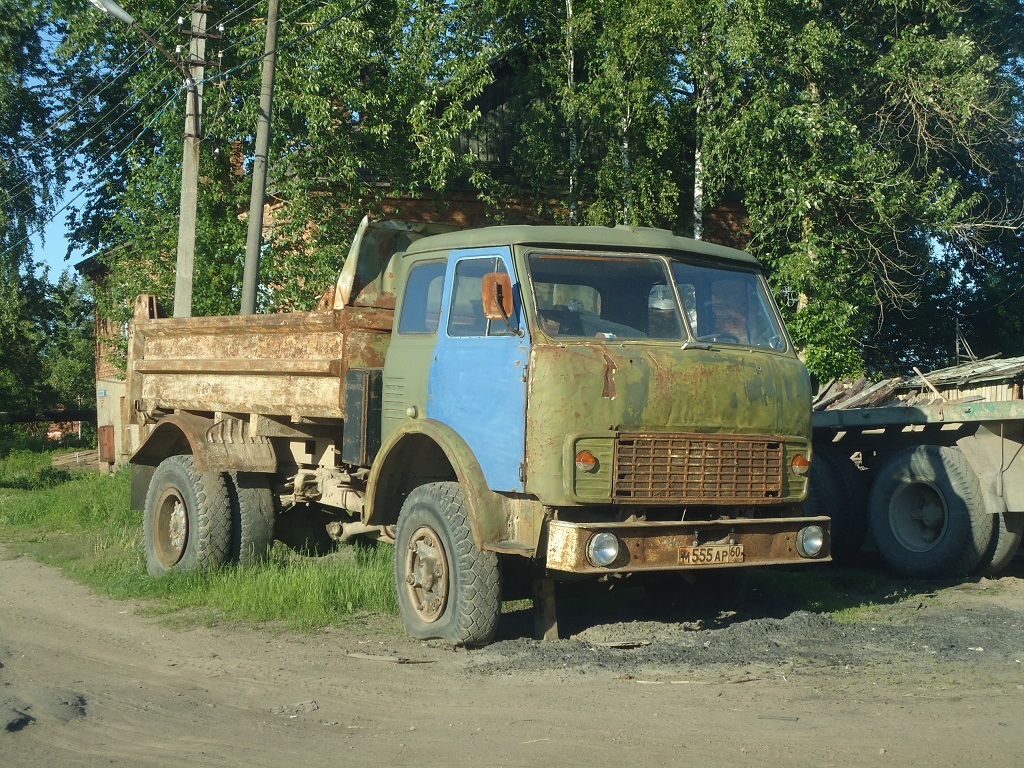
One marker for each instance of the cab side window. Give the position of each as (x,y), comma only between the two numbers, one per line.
(421,306)
(466,317)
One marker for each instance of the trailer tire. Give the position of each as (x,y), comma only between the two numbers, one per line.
(928,515)
(823,495)
(447,587)
(187,520)
(849,516)
(1005,543)
(252,517)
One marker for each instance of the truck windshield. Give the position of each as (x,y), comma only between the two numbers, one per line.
(640,297)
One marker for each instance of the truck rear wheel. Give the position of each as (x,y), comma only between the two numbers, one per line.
(187,520)
(447,587)
(927,513)
(252,517)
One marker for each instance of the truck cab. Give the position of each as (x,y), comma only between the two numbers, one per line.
(628,401)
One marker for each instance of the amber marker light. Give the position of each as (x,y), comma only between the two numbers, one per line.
(586,461)
(800,464)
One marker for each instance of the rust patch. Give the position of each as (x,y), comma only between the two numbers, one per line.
(609,378)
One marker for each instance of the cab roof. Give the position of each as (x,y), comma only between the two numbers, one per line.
(618,238)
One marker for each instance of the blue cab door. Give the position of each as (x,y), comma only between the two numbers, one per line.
(478,373)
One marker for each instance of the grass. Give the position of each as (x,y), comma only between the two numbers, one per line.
(83,526)
(30,469)
(848,595)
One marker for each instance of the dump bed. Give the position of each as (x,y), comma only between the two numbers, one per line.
(289,364)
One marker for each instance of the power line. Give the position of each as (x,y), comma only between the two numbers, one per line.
(218,76)
(258,35)
(133,58)
(289,44)
(90,133)
(39,228)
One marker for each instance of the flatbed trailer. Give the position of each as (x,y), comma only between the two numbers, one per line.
(937,479)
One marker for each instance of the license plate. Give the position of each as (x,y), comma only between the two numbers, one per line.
(711,554)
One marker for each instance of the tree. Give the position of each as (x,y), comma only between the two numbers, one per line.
(27,177)
(875,144)
(68,351)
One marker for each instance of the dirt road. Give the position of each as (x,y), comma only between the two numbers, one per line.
(936,681)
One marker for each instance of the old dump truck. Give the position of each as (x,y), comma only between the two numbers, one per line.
(595,401)
(932,465)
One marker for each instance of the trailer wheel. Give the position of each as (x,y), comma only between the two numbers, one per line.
(928,515)
(252,517)
(447,588)
(1005,543)
(187,520)
(823,497)
(850,514)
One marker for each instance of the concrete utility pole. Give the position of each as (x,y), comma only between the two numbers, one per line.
(254,236)
(196,65)
(193,71)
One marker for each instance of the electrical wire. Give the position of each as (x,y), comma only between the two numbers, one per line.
(289,44)
(143,50)
(997,304)
(40,227)
(89,134)
(259,34)
(110,79)
(218,76)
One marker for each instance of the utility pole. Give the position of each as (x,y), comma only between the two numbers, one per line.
(254,236)
(196,67)
(190,161)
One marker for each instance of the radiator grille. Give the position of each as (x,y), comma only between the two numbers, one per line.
(696,469)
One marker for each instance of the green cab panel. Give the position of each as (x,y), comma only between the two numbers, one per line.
(639,399)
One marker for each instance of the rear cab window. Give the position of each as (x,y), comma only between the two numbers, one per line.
(421,303)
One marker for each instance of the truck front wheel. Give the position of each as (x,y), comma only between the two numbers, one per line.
(187,520)
(447,587)
(927,513)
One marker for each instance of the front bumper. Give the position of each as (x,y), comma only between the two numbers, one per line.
(659,546)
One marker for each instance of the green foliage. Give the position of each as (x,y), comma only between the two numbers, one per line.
(872,143)
(29,470)
(876,147)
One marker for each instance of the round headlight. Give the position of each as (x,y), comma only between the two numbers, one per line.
(810,541)
(603,549)
(800,465)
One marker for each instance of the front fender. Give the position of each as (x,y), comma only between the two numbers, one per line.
(425,451)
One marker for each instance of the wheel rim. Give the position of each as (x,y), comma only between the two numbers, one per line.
(171,528)
(426,581)
(918,516)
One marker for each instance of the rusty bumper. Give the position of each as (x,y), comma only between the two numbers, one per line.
(659,546)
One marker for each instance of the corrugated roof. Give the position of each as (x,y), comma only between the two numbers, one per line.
(976,372)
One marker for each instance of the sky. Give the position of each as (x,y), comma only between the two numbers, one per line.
(56,246)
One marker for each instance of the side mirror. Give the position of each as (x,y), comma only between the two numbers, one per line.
(498,301)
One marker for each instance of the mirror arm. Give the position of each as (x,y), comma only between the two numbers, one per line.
(504,315)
